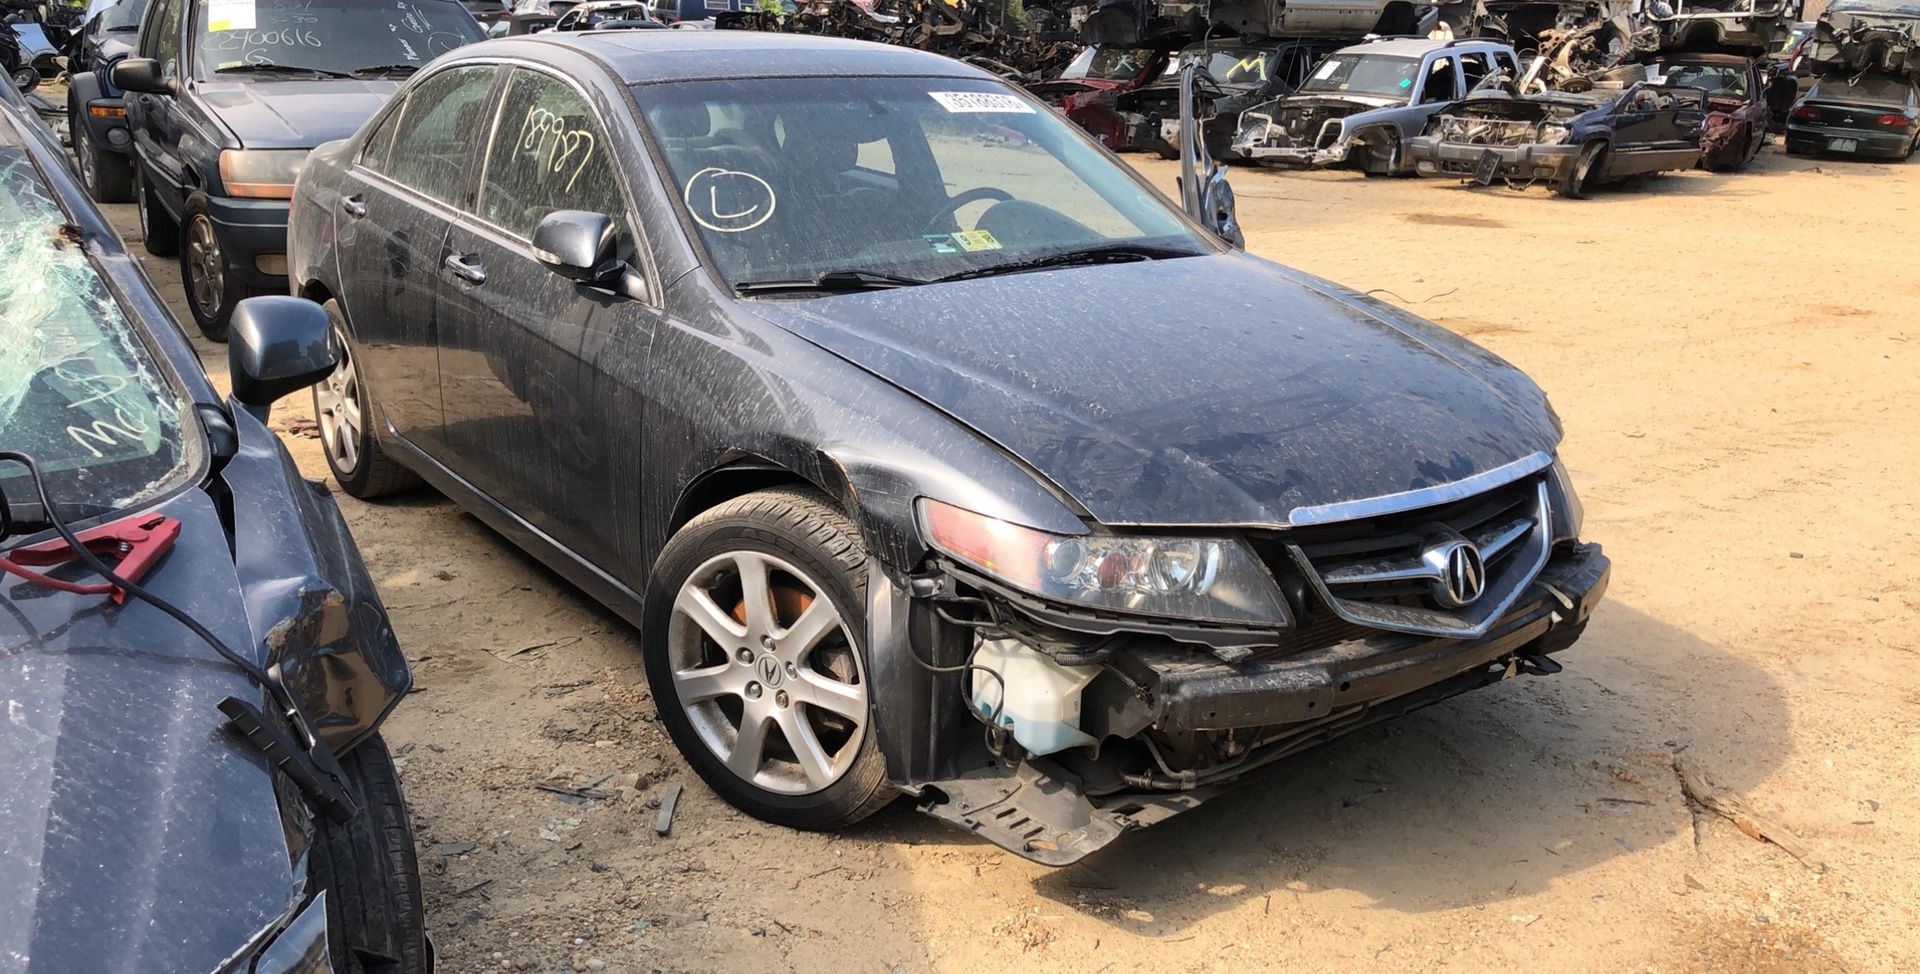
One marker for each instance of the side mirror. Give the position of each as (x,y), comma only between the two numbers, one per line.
(1204,192)
(277,345)
(141,74)
(578,246)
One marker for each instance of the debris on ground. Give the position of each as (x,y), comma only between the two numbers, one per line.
(1701,790)
(664,823)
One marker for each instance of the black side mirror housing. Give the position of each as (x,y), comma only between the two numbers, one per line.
(278,345)
(578,246)
(141,74)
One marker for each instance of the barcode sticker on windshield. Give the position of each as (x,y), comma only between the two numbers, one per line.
(959,102)
(229,15)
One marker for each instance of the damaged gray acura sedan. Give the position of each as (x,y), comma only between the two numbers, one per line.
(932,451)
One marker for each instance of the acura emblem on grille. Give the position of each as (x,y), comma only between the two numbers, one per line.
(1459,575)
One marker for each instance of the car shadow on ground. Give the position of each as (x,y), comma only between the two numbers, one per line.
(1492,795)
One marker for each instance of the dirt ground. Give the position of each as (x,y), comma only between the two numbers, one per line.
(1735,359)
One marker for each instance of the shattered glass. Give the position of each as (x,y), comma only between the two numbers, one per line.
(77,389)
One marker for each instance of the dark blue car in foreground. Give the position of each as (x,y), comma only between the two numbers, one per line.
(194,664)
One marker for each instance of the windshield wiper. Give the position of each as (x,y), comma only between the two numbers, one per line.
(279,69)
(385,69)
(1111,254)
(851,279)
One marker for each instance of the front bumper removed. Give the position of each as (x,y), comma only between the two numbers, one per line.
(1037,808)
(1523,163)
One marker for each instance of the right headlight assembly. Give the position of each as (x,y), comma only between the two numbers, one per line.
(1208,579)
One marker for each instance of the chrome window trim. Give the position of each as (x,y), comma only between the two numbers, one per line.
(1411,500)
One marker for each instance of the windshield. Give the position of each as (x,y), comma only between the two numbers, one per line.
(1719,80)
(77,389)
(1226,65)
(124,15)
(1365,74)
(1107,64)
(331,36)
(791,178)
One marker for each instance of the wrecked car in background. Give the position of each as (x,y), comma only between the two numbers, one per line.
(1239,75)
(1866,35)
(1360,105)
(1737,112)
(845,405)
(1086,90)
(1571,141)
(194,662)
(1728,26)
(1866,115)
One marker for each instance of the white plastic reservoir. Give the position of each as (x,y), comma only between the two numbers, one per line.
(1040,701)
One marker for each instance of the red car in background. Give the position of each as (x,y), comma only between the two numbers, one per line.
(1085,90)
(1737,113)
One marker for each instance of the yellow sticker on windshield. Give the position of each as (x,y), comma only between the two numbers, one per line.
(229,15)
(975,240)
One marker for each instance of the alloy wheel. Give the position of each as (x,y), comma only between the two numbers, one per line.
(767,673)
(337,407)
(206,282)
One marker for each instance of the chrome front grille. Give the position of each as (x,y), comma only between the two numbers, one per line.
(1449,570)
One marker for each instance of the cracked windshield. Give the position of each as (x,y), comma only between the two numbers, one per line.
(77,389)
(912,178)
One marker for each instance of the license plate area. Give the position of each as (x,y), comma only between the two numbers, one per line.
(1486,168)
(1843,145)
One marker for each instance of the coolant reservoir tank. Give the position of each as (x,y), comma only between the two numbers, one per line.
(1036,699)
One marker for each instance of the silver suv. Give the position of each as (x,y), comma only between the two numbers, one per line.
(1361,104)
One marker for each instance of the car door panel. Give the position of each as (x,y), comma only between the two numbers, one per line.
(395,209)
(523,351)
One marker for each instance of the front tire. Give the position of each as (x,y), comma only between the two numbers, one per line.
(754,634)
(376,922)
(1584,174)
(212,290)
(108,176)
(343,409)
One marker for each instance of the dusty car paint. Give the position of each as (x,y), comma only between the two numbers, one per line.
(1272,399)
(135,832)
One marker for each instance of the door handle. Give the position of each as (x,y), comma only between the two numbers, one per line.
(355,205)
(466,269)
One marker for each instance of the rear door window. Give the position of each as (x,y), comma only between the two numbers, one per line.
(435,137)
(549,152)
(1473,69)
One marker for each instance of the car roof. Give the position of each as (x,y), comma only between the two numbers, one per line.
(1730,60)
(648,56)
(1415,46)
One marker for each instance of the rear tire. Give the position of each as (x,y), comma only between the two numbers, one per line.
(158,229)
(701,636)
(343,408)
(376,922)
(1581,178)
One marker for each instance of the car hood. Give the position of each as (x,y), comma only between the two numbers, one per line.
(274,114)
(135,833)
(1222,389)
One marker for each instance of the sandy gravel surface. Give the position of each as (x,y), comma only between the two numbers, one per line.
(1735,359)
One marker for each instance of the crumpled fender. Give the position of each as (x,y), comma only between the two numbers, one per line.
(309,600)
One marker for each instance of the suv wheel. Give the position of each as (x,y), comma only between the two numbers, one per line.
(1581,177)
(158,231)
(211,290)
(344,412)
(376,923)
(108,176)
(755,630)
